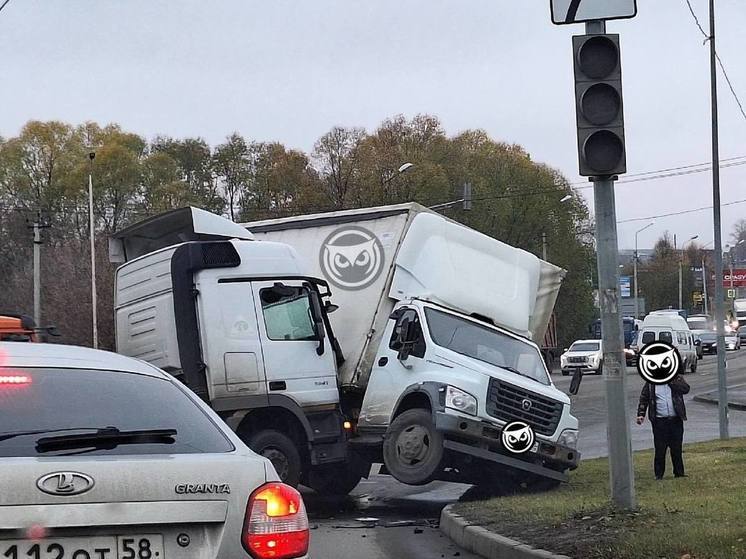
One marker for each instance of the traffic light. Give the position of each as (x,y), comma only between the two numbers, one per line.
(598,105)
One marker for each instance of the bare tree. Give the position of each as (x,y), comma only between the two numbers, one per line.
(336,155)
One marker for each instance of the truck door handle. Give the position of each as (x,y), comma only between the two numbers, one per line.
(278,385)
(383,361)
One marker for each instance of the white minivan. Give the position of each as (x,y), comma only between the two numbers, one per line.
(670,327)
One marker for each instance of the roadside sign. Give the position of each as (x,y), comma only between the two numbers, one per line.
(579,11)
(731,294)
(697,297)
(625,286)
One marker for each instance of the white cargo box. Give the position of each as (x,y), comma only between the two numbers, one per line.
(374,257)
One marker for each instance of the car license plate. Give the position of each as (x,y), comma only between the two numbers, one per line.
(148,546)
(534,447)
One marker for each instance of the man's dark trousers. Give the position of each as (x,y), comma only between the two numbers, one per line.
(668,432)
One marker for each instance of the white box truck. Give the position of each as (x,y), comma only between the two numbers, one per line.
(332,341)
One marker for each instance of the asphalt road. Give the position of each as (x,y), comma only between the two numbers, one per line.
(402,520)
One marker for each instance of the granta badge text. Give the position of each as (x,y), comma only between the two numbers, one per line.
(206,488)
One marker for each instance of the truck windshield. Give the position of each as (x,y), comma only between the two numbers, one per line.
(486,344)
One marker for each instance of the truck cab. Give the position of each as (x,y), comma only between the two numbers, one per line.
(459,380)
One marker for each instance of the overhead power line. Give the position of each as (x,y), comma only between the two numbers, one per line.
(672,172)
(4,4)
(682,212)
(717,56)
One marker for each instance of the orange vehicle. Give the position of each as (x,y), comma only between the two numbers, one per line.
(17,328)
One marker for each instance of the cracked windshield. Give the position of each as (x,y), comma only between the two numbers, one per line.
(332,279)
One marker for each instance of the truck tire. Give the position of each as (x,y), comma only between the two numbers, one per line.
(412,448)
(279,449)
(336,480)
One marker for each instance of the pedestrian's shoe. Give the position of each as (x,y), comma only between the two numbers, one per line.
(681,475)
(658,478)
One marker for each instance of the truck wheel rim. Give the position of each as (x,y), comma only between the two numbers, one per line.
(279,461)
(413,445)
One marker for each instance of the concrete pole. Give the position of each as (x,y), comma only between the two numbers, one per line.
(92,227)
(621,471)
(37,273)
(719,308)
(620,448)
(544,247)
(637,303)
(704,283)
(681,257)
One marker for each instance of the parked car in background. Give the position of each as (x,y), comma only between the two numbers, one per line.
(111,457)
(742,334)
(708,341)
(585,355)
(732,341)
(700,322)
(669,327)
(17,328)
(631,352)
(697,335)
(629,328)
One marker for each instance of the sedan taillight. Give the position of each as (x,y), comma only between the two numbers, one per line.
(276,525)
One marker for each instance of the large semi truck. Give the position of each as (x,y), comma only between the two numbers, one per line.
(333,341)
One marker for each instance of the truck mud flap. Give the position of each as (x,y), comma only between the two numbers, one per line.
(504,460)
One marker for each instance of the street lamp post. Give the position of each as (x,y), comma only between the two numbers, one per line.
(637,304)
(91,225)
(681,262)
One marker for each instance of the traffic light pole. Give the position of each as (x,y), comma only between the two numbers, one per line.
(618,429)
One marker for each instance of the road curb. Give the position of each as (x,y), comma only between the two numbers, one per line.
(705,399)
(485,543)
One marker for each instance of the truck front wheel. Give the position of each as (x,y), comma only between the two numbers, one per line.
(412,448)
(336,480)
(279,449)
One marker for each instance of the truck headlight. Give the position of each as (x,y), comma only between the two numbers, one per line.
(462,401)
(569,437)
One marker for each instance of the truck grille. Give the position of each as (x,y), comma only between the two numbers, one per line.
(506,403)
(577,359)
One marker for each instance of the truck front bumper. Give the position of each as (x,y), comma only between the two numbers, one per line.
(483,440)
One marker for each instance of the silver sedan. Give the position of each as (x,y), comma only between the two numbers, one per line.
(107,457)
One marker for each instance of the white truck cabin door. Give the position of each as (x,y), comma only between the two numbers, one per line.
(290,344)
(230,339)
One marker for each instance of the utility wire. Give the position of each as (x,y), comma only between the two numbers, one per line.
(717,56)
(671,172)
(4,4)
(682,212)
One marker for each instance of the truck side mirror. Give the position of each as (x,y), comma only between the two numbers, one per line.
(577,376)
(405,347)
(317,316)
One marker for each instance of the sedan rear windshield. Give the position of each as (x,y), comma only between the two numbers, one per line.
(38,403)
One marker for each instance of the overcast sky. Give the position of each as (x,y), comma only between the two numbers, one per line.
(289,70)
